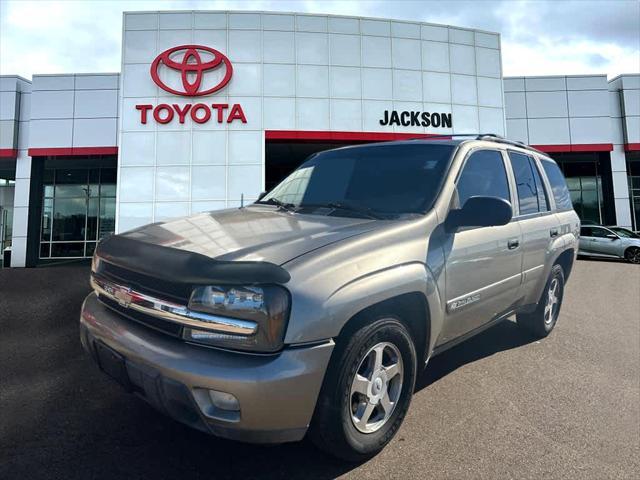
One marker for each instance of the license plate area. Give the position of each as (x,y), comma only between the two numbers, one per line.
(113,364)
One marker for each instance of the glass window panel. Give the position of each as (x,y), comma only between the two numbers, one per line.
(94,175)
(48,175)
(107,217)
(543,201)
(588,183)
(590,207)
(47,218)
(92,219)
(483,175)
(108,190)
(71,176)
(69,215)
(526,184)
(48,191)
(558,185)
(44,250)
(108,175)
(573,183)
(74,250)
(91,247)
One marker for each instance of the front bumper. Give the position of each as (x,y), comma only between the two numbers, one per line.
(277,393)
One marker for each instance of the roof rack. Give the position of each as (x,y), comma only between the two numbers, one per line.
(484,136)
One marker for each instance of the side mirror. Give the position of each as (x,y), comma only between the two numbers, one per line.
(261,196)
(612,236)
(480,212)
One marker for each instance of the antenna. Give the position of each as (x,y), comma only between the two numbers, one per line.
(242,200)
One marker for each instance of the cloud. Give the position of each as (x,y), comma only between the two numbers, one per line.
(540,37)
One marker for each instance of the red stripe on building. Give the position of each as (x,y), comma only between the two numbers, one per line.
(576,147)
(72,151)
(8,153)
(632,147)
(328,136)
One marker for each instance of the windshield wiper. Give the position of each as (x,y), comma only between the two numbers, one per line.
(347,206)
(289,207)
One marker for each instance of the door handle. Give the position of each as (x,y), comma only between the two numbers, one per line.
(553,232)
(513,244)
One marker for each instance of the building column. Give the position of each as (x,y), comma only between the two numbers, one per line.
(620,186)
(26,210)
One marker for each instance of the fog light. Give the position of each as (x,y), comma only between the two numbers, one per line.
(224,401)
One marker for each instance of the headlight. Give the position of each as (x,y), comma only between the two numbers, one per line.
(268,306)
(95,263)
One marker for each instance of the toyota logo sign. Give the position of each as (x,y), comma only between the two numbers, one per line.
(188,60)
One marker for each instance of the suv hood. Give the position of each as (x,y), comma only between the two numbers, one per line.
(256,234)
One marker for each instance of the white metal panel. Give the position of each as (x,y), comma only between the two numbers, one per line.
(588,103)
(279,47)
(488,40)
(171,38)
(442,108)
(98,82)
(375,27)
(245,147)
(587,82)
(172,183)
(252,107)
(51,133)
(245,46)
(517,130)
(632,126)
(465,119)
(133,215)
(344,49)
(435,33)
(52,104)
(547,104)
(173,148)
(514,84)
(207,206)
(463,59)
(491,120)
(614,104)
(631,100)
(208,182)
(623,212)
(590,130)
(631,82)
(312,48)
(140,46)
(244,180)
(312,114)
(279,80)
(137,81)
(405,53)
(213,38)
(489,92)
(245,21)
(345,82)
(279,113)
(137,149)
(372,111)
(209,148)
(545,84)
(8,105)
(344,25)
(407,85)
(549,131)
(436,87)
(312,81)
(170,210)
(278,22)
(131,117)
(209,20)
(136,184)
(20,221)
(25,107)
(515,105)
(141,21)
(376,52)
(8,133)
(463,89)
(346,115)
(95,132)
(21,194)
(175,21)
(405,30)
(246,80)
(435,56)
(458,35)
(376,83)
(96,103)
(488,62)
(311,23)
(53,82)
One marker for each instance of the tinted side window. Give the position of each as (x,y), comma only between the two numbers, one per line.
(599,232)
(558,185)
(585,231)
(531,195)
(483,175)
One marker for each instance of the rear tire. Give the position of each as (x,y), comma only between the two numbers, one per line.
(353,419)
(542,320)
(632,255)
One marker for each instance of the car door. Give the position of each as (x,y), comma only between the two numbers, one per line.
(585,239)
(601,243)
(483,263)
(539,226)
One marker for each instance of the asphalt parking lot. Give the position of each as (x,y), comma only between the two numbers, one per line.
(497,406)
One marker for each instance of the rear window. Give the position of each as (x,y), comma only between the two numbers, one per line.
(558,185)
(531,195)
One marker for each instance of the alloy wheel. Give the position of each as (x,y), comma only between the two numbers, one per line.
(553,301)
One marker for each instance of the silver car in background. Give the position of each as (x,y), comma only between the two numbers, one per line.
(609,242)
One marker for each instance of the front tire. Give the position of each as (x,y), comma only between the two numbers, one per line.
(542,320)
(632,255)
(367,390)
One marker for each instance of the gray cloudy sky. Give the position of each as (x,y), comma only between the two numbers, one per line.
(538,37)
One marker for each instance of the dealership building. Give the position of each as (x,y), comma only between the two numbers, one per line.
(211,108)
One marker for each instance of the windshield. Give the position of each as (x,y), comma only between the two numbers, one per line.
(379,181)
(623,232)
